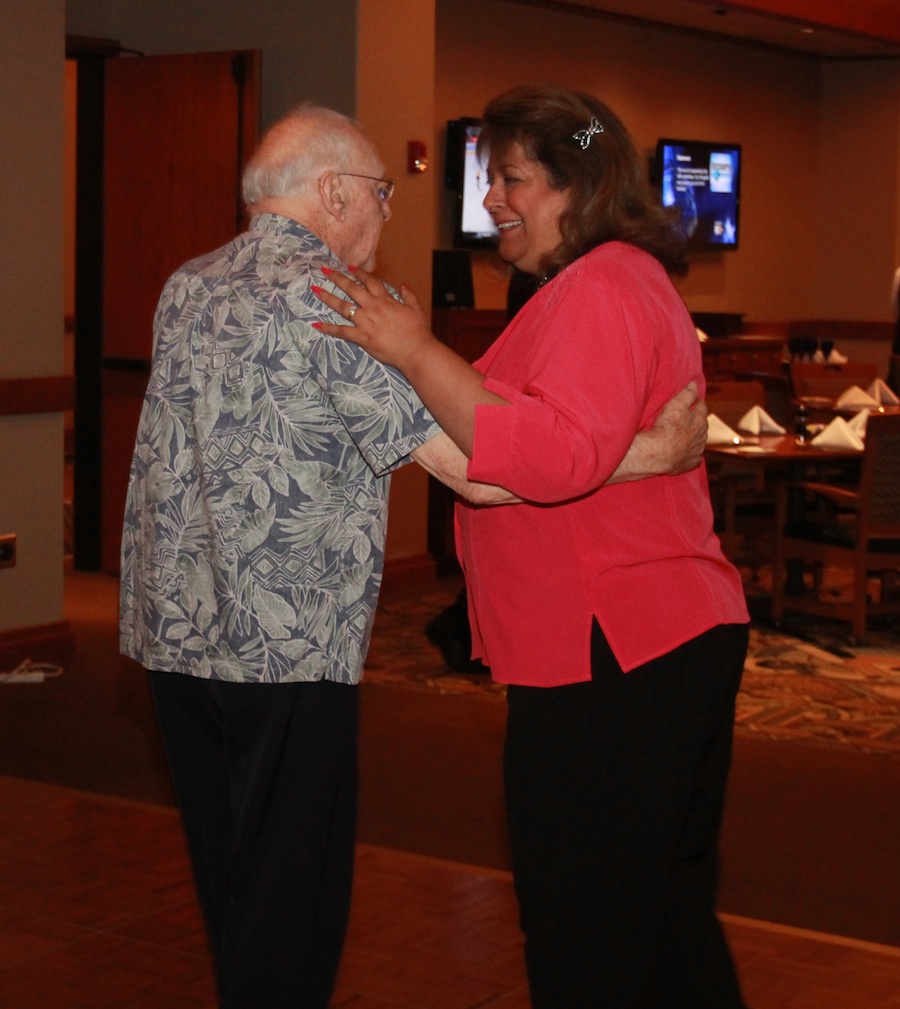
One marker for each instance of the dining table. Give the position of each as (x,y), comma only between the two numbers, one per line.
(751,471)
(823,408)
(782,450)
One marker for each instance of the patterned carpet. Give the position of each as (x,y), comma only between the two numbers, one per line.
(807,686)
(800,689)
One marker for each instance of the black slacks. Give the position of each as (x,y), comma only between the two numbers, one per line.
(615,791)
(266,779)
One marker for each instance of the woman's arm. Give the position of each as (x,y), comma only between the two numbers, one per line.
(673,445)
(396,333)
(444,461)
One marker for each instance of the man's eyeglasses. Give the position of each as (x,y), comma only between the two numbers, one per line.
(384,189)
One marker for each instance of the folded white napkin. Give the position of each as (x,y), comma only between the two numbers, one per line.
(719,433)
(757,421)
(858,422)
(854,396)
(838,434)
(819,357)
(836,357)
(701,336)
(882,393)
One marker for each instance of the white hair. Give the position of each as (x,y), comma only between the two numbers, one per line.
(298,149)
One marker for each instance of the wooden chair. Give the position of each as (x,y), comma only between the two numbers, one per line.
(830,380)
(837,528)
(741,503)
(893,376)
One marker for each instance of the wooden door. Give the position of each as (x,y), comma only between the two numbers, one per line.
(177,130)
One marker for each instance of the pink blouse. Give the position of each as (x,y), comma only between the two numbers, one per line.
(587,363)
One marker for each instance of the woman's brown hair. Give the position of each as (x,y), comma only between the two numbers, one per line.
(585,149)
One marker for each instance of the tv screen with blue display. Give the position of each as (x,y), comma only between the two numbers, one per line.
(702,179)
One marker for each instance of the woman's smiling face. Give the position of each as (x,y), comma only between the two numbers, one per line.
(525,208)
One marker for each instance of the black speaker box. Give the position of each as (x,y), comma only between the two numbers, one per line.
(451,279)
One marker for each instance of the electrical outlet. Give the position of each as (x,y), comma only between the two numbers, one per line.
(8,551)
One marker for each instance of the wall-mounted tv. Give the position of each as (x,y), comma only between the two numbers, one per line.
(466,176)
(702,179)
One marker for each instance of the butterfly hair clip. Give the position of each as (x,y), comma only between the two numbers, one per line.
(583,137)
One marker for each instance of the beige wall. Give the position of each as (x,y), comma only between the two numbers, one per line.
(31,292)
(395,104)
(858,221)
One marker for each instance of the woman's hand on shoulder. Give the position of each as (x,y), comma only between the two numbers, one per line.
(392,331)
(395,333)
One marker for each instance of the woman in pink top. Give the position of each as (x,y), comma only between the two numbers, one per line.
(609,610)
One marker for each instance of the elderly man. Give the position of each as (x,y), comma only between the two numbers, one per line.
(253,549)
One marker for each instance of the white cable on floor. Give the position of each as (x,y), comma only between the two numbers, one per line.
(31,672)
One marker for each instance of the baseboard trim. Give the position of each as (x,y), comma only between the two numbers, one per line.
(53,643)
(49,394)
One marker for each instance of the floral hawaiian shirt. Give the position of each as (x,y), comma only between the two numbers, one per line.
(256,514)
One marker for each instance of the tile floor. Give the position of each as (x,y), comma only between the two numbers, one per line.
(97,910)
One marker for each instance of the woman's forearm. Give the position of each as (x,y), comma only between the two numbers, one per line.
(451,389)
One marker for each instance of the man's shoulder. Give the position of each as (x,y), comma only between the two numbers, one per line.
(272,250)
(212,263)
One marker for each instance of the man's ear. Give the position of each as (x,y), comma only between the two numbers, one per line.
(333,195)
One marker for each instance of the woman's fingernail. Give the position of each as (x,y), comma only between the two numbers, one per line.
(316,325)
(353,269)
(315,288)
(327,271)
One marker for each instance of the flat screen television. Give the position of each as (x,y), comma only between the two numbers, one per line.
(702,179)
(466,176)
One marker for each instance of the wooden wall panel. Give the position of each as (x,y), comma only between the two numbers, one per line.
(51,394)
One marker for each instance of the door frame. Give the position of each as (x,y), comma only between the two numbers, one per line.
(90,56)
